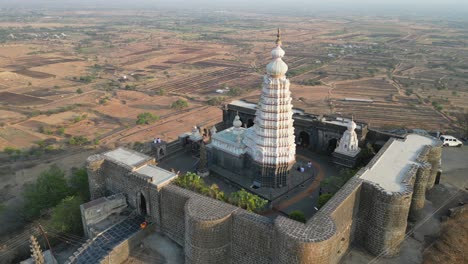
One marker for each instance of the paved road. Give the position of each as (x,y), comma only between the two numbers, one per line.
(455,166)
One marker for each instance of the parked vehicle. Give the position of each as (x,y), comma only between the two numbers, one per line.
(450,141)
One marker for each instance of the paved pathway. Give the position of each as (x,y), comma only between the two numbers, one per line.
(311,186)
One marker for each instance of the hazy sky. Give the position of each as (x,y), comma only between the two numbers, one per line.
(259,5)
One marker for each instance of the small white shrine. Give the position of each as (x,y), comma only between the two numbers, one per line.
(347,151)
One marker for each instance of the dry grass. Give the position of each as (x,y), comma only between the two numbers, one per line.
(452,244)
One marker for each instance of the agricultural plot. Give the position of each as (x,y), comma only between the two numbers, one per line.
(387,115)
(374,89)
(20,99)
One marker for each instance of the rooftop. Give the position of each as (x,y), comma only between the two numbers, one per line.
(229,135)
(127,157)
(158,175)
(390,168)
(138,163)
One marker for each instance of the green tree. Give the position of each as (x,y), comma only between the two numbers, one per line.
(323,199)
(179,104)
(49,189)
(298,216)
(66,216)
(79,183)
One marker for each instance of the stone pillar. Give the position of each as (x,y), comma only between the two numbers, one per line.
(97,185)
(434,158)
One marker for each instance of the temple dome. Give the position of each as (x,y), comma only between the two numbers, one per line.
(351,126)
(277,52)
(237,123)
(277,68)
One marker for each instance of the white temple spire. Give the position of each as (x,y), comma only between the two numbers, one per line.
(270,142)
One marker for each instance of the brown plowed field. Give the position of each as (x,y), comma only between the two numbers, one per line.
(20,99)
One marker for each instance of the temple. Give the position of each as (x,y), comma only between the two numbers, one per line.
(347,152)
(264,152)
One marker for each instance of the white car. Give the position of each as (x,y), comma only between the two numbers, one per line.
(450,141)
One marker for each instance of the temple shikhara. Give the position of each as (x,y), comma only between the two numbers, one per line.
(270,142)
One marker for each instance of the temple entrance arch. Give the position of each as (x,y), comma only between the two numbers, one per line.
(332,144)
(161,152)
(250,123)
(143,210)
(304,139)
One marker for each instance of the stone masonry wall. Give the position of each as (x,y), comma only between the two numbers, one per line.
(252,238)
(211,231)
(108,177)
(96,179)
(434,158)
(172,202)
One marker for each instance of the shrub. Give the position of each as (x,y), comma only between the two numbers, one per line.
(78,140)
(298,216)
(79,91)
(161,92)
(11,151)
(242,198)
(215,100)
(234,91)
(179,104)
(146,118)
(323,199)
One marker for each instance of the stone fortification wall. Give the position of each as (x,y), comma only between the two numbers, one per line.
(252,238)
(382,215)
(172,204)
(383,218)
(108,177)
(434,158)
(327,236)
(360,213)
(420,183)
(208,226)
(96,179)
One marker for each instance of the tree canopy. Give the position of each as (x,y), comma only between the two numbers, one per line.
(66,216)
(50,188)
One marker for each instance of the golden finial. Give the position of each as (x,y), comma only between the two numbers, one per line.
(278,38)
